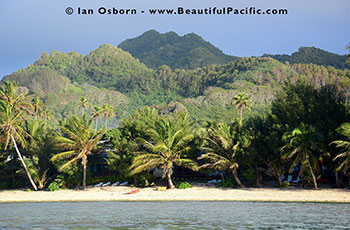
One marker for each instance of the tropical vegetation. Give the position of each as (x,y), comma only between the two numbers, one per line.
(245,121)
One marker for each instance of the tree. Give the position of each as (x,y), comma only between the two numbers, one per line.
(19,101)
(167,146)
(97,114)
(344,155)
(83,104)
(221,151)
(12,132)
(303,146)
(123,139)
(242,101)
(107,113)
(37,106)
(79,139)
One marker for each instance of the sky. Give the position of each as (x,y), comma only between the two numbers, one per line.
(28,28)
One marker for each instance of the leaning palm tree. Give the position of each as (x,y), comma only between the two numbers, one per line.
(221,150)
(242,101)
(39,175)
(78,139)
(303,146)
(344,155)
(107,113)
(166,147)
(11,132)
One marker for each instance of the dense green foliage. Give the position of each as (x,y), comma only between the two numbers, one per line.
(187,52)
(184,185)
(312,55)
(246,118)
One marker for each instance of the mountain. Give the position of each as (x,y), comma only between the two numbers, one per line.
(184,52)
(312,55)
(112,75)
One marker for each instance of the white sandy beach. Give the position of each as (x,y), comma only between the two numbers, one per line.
(197,193)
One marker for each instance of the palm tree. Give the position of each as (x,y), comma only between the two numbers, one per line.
(84,104)
(79,139)
(242,101)
(221,153)
(303,146)
(97,114)
(107,113)
(167,147)
(47,114)
(343,156)
(19,101)
(12,132)
(39,175)
(37,105)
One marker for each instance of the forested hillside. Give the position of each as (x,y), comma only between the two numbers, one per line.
(111,75)
(184,52)
(312,55)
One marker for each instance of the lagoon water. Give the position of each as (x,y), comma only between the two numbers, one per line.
(174,215)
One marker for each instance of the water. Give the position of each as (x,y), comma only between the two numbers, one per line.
(174,215)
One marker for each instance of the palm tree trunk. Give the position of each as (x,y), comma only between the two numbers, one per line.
(106,123)
(170,182)
(24,164)
(235,175)
(41,185)
(313,175)
(84,162)
(338,179)
(258,178)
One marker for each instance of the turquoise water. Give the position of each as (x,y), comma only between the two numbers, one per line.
(174,215)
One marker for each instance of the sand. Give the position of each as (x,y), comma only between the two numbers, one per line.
(197,193)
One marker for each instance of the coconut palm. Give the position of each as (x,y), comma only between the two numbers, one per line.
(47,114)
(78,139)
(84,104)
(11,131)
(39,175)
(242,101)
(303,146)
(97,114)
(37,106)
(107,113)
(221,153)
(344,155)
(167,146)
(19,101)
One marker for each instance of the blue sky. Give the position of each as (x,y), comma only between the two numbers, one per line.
(28,28)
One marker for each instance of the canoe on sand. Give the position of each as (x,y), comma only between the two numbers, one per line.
(134,191)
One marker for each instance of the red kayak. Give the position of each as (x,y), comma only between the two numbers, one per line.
(134,191)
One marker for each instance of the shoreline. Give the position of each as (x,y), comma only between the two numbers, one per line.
(197,193)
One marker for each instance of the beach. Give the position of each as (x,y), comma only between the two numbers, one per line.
(197,193)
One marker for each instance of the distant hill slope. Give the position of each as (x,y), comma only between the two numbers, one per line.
(312,55)
(108,67)
(111,75)
(187,52)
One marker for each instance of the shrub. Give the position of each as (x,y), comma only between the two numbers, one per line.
(249,174)
(229,182)
(145,180)
(286,184)
(184,185)
(57,184)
